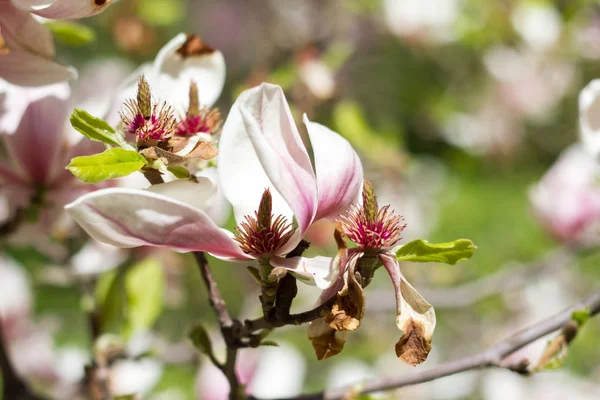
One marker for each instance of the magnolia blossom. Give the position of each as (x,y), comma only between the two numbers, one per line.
(260,149)
(34,135)
(27,48)
(375,231)
(567,199)
(589,117)
(184,60)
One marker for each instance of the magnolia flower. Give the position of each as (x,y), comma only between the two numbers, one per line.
(375,231)
(567,198)
(32,128)
(260,149)
(27,48)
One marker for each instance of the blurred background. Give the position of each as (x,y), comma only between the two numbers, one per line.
(458,109)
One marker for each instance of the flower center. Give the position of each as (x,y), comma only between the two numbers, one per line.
(197,119)
(262,234)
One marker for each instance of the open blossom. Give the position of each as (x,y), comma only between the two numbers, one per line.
(32,128)
(567,198)
(260,149)
(375,230)
(27,47)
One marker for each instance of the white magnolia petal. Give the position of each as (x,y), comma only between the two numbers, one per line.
(131,218)
(338,169)
(199,195)
(22,32)
(260,138)
(63,9)
(589,116)
(415,317)
(319,271)
(178,64)
(220,208)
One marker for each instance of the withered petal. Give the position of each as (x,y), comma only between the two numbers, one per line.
(413,347)
(326,341)
(349,307)
(194,46)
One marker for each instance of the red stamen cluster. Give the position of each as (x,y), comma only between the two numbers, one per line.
(207,121)
(158,126)
(370,226)
(261,234)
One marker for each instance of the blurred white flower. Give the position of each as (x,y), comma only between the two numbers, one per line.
(431,19)
(567,199)
(134,376)
(539,24)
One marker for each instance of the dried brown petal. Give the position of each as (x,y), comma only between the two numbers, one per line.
(203,150)
(413,347)
(194,46)
(349,307)
(326,341)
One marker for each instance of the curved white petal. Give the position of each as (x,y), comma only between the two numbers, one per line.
(36,140)
(338,169)
(130,218)
(199,195)
(589,116)
(220,208)
(261,148)
(63,9)
(318,271)
(415,317)
(175,68)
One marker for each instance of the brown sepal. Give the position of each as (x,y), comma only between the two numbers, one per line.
(413,347)
(203,150)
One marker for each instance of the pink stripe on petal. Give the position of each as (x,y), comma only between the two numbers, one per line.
(338,169)
(131,218)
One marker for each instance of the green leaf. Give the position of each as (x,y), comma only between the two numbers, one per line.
(71,33)
(112,300)
(179,172)
(112,163)
(201,340)
(97,129)
(161,12)
(144,285)
(581,316)
(449,253)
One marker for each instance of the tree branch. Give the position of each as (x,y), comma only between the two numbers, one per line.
(491,357)
(229,327)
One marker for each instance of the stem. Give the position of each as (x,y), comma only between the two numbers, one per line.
(228,326)
(490,358)
(153,176)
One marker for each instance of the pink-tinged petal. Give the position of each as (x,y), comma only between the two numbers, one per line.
(260,138)
(338,169)
(199,195)
(415,317)
(319,271)
(183,60)
(220,209)
(26,69)
(10,176)
(589,117)
(63,9)
(22,32)
(37,140)
(131,218)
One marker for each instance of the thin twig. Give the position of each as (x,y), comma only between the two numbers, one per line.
(229,327)
(492,357)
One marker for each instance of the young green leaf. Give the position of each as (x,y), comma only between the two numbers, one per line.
(179,172)
(201,340)
(581,316)
(112,163)
(449,253)
(71,33)
(96,129)
(144,285)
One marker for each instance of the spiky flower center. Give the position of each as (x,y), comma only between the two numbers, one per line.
(198,119)
(262,233)
(147,121)
(370,226)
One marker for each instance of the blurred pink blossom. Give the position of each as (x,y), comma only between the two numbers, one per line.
(27,47)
